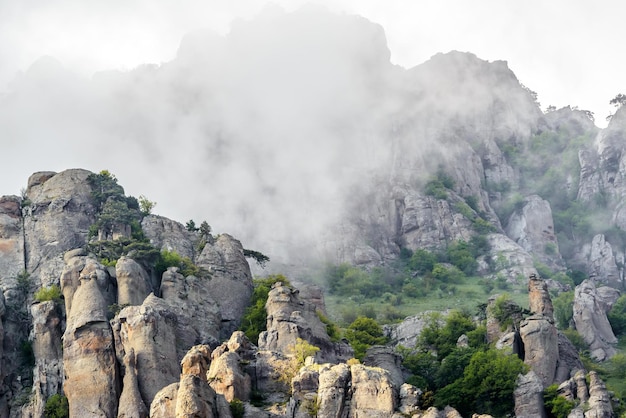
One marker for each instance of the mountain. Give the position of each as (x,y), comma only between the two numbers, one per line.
(315,149)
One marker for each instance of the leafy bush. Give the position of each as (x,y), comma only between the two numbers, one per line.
(296,356)
(49,293)
(362,334)
(185,266)
(487,384)
(237,408)
(331,329)
(557,406)
(56,407)
(145,205)
(563,309)
(617,316)
(441,335)
(422,261)
(254,319)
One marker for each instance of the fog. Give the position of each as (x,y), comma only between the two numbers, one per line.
(267,131)
(262,133)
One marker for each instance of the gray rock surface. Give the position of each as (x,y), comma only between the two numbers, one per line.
(591,321)
(533,229)
(198,315)
(290,318)
(529,396)
(541,349)
(133,282)
(231,280)
(91,378)
(149,331)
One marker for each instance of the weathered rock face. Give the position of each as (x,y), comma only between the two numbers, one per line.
(91,378)
(533,229)
(593,401)
(198,315)
(56,220)
(192,396)
(131,405)
(231,280)
(569,360)
(602,264)
(406,332)
(149,331)
(166,234)
(333,390)
(529,396)
(373,393)
(591,321)
(11,240)
(541,348)
(426,221)
(289,318)
(133,282)
(226,374)
(387,359)
(48,352)
(539,298)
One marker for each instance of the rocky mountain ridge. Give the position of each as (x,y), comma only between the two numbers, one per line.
(120,341)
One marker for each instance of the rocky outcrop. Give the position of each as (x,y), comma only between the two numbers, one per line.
(131,405)
(405,333)
(56,219)
(333,390)
(149,331)
(426,221)
(538,297)
(569,360)
(48,352)
(191,396)
(373,393)
(169,235)
(227,374)
(387,359)
(91,377)
(592,401)
(133,282)
(198,315)
(602,264)
(541,350)
(529,396)
(591,322)
(231,280)
(289,318)
(599,398)
(533,229)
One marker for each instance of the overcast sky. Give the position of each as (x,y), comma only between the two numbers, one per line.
(567,51)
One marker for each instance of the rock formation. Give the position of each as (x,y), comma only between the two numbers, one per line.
(591,321)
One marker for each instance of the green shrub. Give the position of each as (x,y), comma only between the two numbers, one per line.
(56,407)
(362,334)
(49,293)
(487,384)
(563,309)
(254,319)
(617,316)
(237,408)
(331,329)
(557,406)
(422,261)
(185,266)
